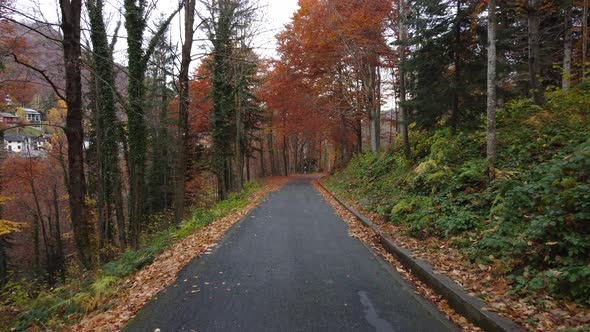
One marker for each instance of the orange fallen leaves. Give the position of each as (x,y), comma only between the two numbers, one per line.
(139,288)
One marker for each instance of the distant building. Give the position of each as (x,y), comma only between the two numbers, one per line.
(9,118)
(32,116)
(26,144)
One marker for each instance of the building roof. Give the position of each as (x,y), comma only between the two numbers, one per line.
(8,115)
(15,138)
(30,111)
(20,137)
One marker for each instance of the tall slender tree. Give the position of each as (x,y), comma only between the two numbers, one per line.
(491,88)
(183,107)
(70,25)
(567,48)
(403,112)
(225,23)
(107,130)
(138,57)
(534,46)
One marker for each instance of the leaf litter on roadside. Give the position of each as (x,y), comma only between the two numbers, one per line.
(366,235)
(533,314)
(139,288)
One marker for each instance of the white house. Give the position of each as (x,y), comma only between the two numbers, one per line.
(32,116)
(25,144)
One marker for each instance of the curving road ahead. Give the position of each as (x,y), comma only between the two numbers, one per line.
(289,266)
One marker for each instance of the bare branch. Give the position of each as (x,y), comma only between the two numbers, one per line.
(42,73)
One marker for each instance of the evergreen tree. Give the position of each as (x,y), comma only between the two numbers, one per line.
(225,25)
(138,57)
(162,146)
(106,132)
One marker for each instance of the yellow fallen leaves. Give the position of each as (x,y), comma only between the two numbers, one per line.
(137,290)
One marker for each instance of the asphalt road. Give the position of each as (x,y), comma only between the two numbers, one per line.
(289,266)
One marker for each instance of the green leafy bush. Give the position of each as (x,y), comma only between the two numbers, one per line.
(532,210)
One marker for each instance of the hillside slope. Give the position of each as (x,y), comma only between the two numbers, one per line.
(527,217)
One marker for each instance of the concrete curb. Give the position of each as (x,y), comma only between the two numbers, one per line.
(463,303)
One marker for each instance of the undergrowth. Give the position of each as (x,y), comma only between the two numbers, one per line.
(26,305)
(529,215)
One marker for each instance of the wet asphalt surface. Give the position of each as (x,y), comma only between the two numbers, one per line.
(290,265)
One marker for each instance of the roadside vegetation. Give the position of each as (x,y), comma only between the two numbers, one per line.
(28,305)
(527,216)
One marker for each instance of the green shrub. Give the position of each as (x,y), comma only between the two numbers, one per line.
(532,210)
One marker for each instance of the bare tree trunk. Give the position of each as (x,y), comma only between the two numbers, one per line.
(285,157)
(262,166)
(296,154)
(271,152)
(567,50)
(457,60)
(535,52)
(491,84)
(584,38)
(37,263)
(238,143)
(70,14)
(359,135)
(247,168)
(403,112)
(343,139)
(183,132)
(3,238)
(378,106)
(370,86)
(58,238)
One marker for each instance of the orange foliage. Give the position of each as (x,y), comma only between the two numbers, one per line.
(201,105)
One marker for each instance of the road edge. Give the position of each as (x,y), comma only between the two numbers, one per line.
(470,307)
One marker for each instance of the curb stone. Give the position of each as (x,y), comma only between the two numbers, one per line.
(469,306)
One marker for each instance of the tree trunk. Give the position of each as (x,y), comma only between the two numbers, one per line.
(457,61)
(135,24)
(247,168)
(491,83)
(370,87)
(535,52)
(285,157)
(359,135)
(271,152)
(584,37)
(343,139)
(403,112)
(183,130)
(36,252)
(70,14)
(567,50)
(3,238)
(262,167)
(58,238)
(296,155)
(239,130)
